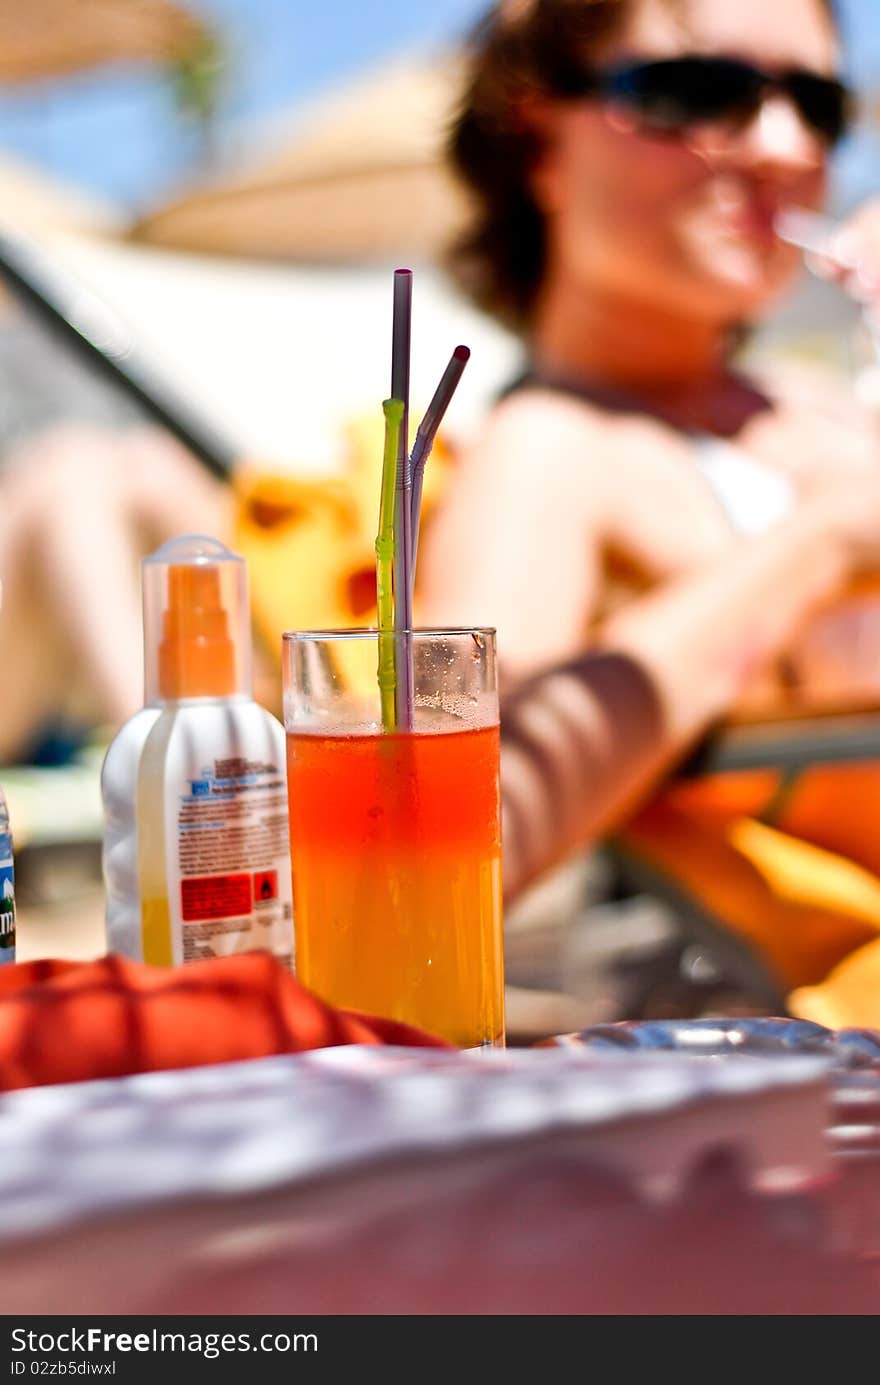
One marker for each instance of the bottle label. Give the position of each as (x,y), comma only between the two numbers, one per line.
(7,901)
(233,868)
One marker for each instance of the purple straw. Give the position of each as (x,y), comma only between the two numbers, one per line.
(425,435)
(400,357)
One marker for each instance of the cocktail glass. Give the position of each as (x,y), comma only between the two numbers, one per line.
(396,834)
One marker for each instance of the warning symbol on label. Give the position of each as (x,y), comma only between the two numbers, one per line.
(265,885)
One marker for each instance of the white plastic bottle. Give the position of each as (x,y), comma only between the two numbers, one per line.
(7,887)
(196,857)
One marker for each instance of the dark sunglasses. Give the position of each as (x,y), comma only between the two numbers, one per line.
(672,94)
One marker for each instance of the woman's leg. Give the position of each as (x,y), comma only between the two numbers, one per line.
(78,509)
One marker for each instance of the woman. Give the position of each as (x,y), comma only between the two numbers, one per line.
(630,161)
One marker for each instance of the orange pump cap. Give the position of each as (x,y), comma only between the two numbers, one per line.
(196,656)
(196,626)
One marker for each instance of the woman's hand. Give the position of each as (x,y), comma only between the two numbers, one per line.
(849,507)
(854,255)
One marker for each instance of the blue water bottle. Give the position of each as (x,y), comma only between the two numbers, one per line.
(7,887)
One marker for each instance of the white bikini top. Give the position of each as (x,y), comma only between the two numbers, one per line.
(753,496)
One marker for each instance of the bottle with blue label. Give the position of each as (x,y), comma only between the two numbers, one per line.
(7,887)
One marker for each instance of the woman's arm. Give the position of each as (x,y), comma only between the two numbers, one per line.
(519,547)
(586,740)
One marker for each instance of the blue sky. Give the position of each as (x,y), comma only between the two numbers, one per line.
(116,131)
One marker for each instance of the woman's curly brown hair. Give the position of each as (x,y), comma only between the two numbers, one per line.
(520,51)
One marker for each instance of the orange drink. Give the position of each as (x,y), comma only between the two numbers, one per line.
(396,853)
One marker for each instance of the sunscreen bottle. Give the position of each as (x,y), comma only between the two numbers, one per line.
(196,857)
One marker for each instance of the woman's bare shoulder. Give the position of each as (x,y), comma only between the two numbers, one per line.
(535,407)
(561,425)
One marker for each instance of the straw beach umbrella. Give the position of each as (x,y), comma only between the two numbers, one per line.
(359,177)
(51,38)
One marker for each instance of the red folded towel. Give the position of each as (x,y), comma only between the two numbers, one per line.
(72,1021)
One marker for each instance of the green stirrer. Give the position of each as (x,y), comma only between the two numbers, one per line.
(385,553)
(400,361)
